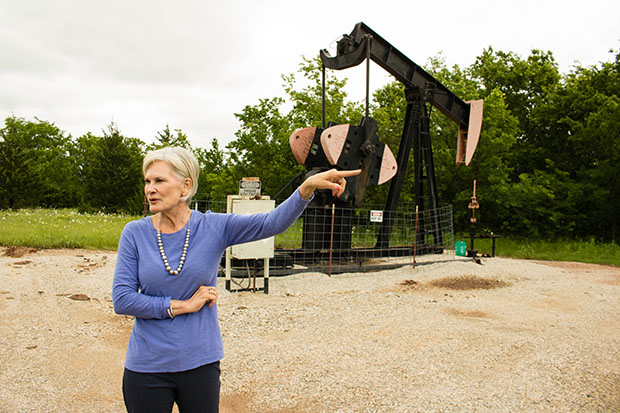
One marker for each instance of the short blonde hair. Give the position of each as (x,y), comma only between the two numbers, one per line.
(182,161)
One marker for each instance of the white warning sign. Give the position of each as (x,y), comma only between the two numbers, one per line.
(376,216)
(249,187)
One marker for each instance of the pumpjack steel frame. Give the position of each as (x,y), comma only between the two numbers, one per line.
(421,91)
(420,88)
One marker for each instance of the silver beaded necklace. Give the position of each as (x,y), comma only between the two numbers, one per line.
(163,254)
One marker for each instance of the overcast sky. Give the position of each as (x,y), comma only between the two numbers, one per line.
(193,64)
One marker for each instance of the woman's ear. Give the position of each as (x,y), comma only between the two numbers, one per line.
(187,186)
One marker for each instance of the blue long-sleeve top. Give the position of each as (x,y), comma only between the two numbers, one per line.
(143,288)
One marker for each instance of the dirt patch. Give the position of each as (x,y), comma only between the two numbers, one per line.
(18,252)
(464,282)
(89,264)
(235,403)
(468,282)
(244,402)
(577,266)
(468,313)
(79,297)
(604,274)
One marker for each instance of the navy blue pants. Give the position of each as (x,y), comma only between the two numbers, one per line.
(196,390)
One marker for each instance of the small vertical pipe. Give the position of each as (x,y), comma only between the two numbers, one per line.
(367,112)
(323,95)
(368,75)
(331,240)
(415,235)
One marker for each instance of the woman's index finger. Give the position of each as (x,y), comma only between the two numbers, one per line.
(349,172)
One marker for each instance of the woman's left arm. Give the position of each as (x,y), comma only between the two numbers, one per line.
(245,228)
(126,297)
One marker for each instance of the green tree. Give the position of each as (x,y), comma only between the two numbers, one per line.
(527,85)
(585,144)
(216,180)
(37,167)
(112,172)
(261,148)
(167,138)
(491,166)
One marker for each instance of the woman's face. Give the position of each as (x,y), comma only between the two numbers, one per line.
(162,187)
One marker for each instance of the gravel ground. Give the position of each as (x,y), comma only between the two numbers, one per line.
(508,335)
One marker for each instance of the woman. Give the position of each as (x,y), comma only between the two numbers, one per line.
(165,276)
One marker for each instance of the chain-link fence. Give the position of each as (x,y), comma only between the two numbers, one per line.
(335,240)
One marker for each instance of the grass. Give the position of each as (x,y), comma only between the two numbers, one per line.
(291,238)
(66,228)
(61,228)
(551,250)
(364,236)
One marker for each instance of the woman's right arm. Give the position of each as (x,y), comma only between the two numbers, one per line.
(128,300)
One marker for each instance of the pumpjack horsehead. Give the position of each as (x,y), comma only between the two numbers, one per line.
(358,146)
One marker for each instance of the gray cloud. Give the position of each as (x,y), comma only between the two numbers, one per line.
(192,64)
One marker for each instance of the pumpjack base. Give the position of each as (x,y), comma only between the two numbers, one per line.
(293,261)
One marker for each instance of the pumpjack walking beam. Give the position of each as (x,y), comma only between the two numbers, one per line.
(420,88)
(352,51)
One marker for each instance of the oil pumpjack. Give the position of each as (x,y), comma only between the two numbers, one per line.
(359,147)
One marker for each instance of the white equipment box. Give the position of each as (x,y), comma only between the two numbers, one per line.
(261,249)
(255,249)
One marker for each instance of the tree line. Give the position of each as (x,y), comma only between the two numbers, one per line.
(547,164)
